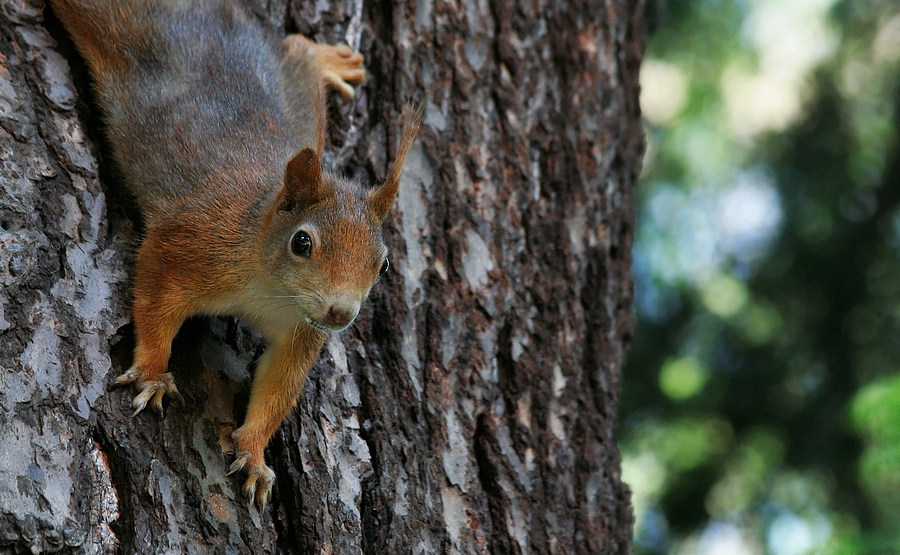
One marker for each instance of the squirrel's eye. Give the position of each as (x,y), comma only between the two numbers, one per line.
(384,267)
(301,244)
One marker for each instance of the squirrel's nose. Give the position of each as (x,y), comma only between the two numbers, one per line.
(340,317)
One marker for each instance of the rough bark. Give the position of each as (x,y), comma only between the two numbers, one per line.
(473,406)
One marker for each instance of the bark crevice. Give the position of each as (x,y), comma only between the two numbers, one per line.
(123,525)
(486,456)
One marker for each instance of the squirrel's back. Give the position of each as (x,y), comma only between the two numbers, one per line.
(191,96)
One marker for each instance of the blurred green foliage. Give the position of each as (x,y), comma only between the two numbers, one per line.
(761,410)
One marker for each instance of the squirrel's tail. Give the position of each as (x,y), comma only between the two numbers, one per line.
(108,33)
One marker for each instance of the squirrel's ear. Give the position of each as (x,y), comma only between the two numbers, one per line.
(302,180)
(381,198)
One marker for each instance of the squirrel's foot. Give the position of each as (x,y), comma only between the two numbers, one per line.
(149,390)
(260,478)
(341,67)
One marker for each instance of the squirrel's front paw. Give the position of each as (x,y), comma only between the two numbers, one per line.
(259,478)
(149,390)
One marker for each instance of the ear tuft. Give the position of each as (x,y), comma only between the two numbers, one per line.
(381,198)
(302,180)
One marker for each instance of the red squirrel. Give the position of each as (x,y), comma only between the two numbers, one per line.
(218,126)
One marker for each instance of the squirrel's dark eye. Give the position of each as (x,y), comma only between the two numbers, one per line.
(301,244)
(384,267)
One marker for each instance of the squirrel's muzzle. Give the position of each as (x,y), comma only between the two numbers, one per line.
(339,317)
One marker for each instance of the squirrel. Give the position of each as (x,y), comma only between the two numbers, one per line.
(218,125)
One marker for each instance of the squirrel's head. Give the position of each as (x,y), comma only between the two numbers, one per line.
(322,241)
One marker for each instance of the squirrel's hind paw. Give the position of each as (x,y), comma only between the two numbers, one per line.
(260,478)
(149,391)
(340,67)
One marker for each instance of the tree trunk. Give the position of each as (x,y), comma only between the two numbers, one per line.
(472,408)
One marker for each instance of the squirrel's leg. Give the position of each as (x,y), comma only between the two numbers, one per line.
(276,387)
(339,66)
(158,314)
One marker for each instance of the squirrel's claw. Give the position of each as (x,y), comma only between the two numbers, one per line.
(340,85)
(149,391)
(241,458)
(140,400)
(258,486)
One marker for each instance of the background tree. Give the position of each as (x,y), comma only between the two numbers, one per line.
(472,407)
(762,395)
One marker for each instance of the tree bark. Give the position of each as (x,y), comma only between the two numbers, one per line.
(472,408)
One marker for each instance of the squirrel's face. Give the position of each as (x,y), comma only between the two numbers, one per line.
(328,261)
(321,242)
(321,245)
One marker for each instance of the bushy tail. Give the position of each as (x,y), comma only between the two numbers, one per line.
(108,33)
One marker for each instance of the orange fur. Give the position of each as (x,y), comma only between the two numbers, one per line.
(277,386)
